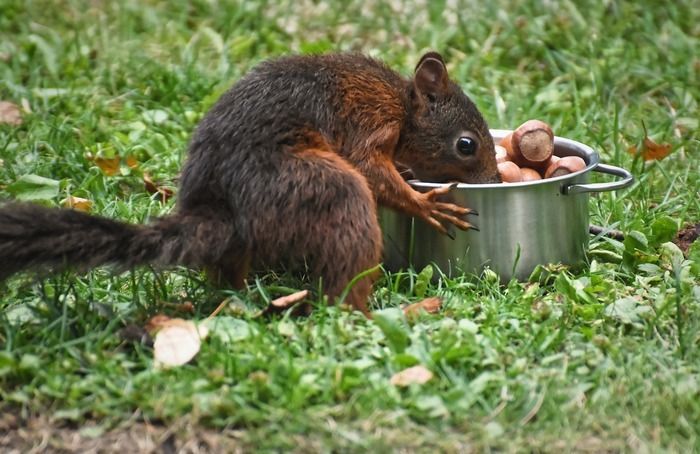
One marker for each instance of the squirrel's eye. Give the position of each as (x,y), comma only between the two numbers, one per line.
(466,145)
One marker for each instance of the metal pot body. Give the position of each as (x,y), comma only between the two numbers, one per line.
(521,225)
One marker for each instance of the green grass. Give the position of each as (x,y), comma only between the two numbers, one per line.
(602,359)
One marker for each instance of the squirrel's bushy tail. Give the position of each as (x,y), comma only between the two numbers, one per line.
(33,237)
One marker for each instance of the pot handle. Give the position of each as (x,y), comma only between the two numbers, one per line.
(626,180)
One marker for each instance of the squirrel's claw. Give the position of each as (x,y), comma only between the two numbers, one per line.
(457,222)
(437,225)
(436,213)
(455,209)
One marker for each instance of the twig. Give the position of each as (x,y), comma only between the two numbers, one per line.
(219,308)
(533,411)
(288,300)
(610,233)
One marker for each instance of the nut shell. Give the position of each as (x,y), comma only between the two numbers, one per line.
(564,166)
(510,172)
(501,154)
(529,174)
(532,144)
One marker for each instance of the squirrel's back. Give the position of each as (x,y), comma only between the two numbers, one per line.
(282,105)
(279,96)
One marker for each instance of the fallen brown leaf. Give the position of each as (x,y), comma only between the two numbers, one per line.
(156,322)
(108,166)
(77,203)
(430,305)
(10,113)
(416,375)
(132,162)
(186,307)
(150,185)
(176,345)
(288,300)
(650,150)
(177,341)
(152,188)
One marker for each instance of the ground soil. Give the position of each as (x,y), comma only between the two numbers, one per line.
(39,435)
(686,236)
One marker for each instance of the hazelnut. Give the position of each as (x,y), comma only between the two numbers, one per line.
(510,172)
(529,174)
(531,144)
(564,166)
(501,154)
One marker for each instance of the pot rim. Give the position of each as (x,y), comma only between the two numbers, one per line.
(582,150)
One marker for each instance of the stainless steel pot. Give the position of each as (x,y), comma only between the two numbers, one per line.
(521,225)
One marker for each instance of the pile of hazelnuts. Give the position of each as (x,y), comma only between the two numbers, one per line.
(526,154)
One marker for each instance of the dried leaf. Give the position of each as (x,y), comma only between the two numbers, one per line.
(10,113)
(416,375)
(157,322)
(429,305)
(289,300)
(177,341)
(175,345)
(152,188)
(165,194)
(77,203)
(109,166)
(650,151)
(186,307)
(132,162)
(161,321)
(149,184)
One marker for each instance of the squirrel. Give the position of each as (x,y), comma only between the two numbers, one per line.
(286,169)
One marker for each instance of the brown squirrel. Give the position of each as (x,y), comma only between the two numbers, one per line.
(286,169)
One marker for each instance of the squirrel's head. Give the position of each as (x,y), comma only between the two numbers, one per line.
(445,138)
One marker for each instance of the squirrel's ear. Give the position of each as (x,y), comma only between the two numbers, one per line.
(431,54)
(431,74)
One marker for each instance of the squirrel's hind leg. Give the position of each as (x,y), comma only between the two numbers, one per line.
(330,223)
(348,239)
(231,270)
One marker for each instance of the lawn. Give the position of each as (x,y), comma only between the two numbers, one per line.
(604,358)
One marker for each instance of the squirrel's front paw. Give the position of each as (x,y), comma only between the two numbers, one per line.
(435,212)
